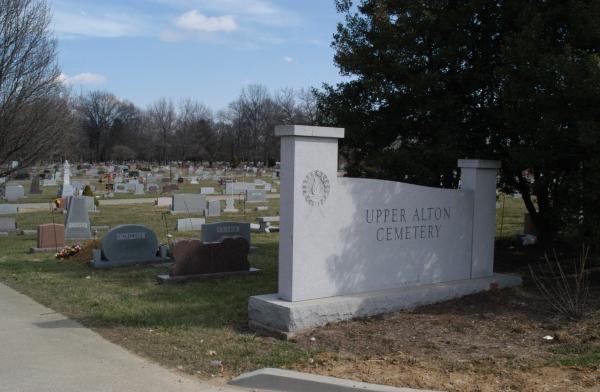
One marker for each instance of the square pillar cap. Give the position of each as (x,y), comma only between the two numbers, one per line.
(309,131)
(479,163)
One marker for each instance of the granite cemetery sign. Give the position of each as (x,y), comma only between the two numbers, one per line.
(127,245)
(371,246)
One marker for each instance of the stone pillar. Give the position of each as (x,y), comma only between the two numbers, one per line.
(309,159)
(479,176)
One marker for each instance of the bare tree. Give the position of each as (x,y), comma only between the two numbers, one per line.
(307,106)
(32,109)
(285,99)
(164,120)
(99,110)
(194,130)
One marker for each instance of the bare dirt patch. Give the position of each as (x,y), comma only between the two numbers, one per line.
(492,341)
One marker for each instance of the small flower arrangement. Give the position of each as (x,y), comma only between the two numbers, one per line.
(68,251)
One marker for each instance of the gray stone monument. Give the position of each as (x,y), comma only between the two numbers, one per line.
(34,188)
(188,203)
(213,209)
(190,224)
(256,196)
(230,204)
(213,232)
(128,245)
(6,209)
(77,223)
(14,192)
(8,225)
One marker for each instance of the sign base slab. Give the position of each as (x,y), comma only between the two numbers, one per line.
(271,315)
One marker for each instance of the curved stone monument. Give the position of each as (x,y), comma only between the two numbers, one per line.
(128,245)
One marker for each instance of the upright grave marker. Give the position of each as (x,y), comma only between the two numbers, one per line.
(50,237)
(77,222)
(8,225)
(127,245)
(34,187)
(14,192)
(213,208)
(6,209)
(67,189)
(256,196)
(188,202)
(214,232)
(353,247)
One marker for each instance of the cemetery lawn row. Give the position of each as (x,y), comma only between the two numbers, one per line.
(50,192)
(187,326)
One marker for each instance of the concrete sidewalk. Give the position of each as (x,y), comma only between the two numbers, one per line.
(43,351)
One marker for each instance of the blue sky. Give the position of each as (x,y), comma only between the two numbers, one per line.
(208,50)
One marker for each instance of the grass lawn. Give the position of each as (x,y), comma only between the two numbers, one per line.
(201,327)
(186,326)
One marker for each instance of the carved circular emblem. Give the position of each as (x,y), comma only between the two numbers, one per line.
(315,188)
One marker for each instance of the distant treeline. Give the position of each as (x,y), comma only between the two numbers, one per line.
(103,127)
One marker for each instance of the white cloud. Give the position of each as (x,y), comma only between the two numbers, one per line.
(195,21)
(85,78)
(288,59)
(68,24)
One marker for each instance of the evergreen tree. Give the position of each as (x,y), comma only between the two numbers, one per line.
(433,81)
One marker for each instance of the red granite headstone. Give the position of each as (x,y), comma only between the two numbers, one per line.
(192,257)
(51,235)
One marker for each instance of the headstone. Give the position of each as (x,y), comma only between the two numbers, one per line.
(50,236)
(14,192)
(256,196)
(120,188)
(193,257)
(188,203)
(213,232)
(6,209)
(131,186)
(194,180)
(127,245)
(353,247)
(190,224)
(169,188)
(139,189)
(34,188)
(90,203)
(207,190)
(77,223)
(230,205)
(8,225)
(152,188)
(214,208)
(66,173)
(49,182)
(238,187)
(163,201)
